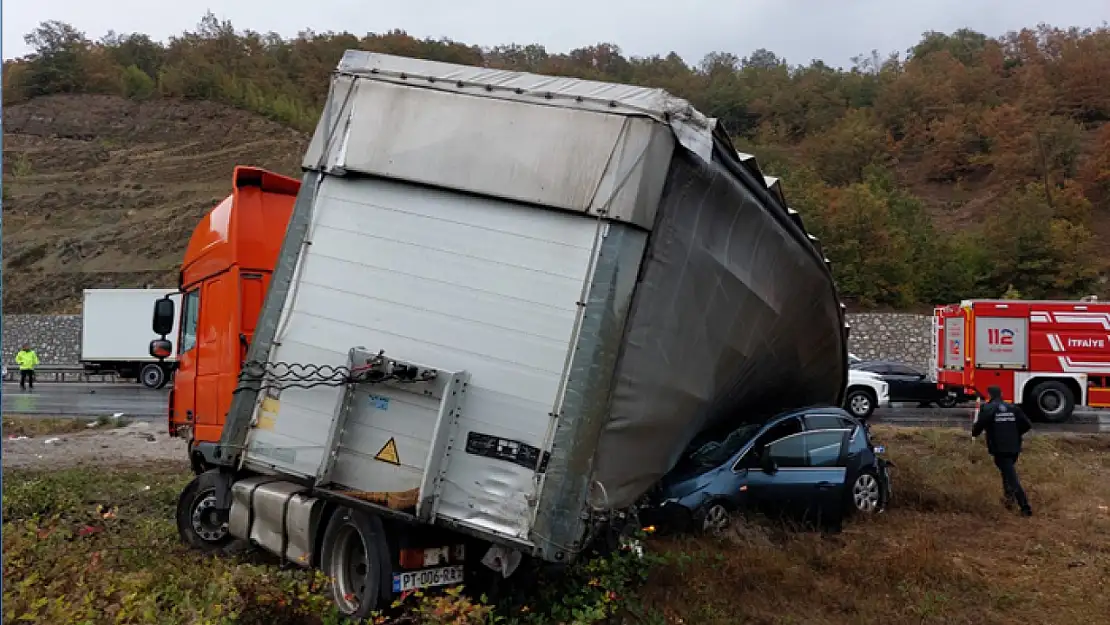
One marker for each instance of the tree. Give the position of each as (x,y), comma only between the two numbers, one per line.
(870,254)
(843,152)
(1037,251)
(55,65)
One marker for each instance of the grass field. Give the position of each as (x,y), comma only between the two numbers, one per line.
(98,546)
(16,425)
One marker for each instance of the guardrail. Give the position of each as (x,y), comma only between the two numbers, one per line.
(64,373)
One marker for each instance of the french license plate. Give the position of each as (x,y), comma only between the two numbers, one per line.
(879,449)
(427,578)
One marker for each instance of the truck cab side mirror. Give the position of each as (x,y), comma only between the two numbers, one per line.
(162,324)
(163,316)
(161,349)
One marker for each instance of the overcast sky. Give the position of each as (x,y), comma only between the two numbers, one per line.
(799,30)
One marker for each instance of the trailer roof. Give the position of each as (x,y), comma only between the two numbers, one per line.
(693,128)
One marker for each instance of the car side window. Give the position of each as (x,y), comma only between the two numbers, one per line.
(902,370)
(780,430)
(789,452)
(823,448)
(823,422)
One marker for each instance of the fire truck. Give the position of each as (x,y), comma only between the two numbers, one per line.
(1047,356)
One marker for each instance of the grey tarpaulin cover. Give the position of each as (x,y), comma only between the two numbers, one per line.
(736,315)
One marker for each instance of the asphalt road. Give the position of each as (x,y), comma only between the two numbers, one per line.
(84,400)
(94,400)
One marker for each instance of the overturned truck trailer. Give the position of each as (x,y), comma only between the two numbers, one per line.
(505,304)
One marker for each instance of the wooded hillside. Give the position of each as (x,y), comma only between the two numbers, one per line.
(968,167)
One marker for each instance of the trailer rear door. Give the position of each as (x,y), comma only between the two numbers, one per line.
(447,281)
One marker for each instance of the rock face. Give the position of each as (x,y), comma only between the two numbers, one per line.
(901,337)
(55,338)
(889,336)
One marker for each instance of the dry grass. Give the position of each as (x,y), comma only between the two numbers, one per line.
(100,547)
(947,551)
(15,426)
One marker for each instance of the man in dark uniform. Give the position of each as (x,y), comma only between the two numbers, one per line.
(1005,425)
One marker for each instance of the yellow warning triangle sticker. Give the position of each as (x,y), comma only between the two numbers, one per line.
(388,453)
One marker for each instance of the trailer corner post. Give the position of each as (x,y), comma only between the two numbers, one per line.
(242,405)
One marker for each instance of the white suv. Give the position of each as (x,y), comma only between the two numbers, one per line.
(866,391)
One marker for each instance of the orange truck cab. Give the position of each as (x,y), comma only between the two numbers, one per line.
(223,282)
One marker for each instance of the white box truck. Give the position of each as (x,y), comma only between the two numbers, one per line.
(504,305)
(115,335)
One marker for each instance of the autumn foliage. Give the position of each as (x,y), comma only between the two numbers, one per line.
(970,167)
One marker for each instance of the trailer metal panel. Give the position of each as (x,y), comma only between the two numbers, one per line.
(392,267)
(601,157)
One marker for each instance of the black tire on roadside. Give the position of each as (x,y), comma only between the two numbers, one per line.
(356,558)
(200,525)
(1053,401)
(860,403)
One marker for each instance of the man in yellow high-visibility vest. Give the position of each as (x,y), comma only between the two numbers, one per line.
(27,360)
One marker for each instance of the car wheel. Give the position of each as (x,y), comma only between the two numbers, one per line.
(867,494)
(1053,401)
(860,403)
(947,402)
(714,518)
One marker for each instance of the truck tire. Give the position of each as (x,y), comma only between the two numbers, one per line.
(1053,401)
(153,376)
(356,558)
(200,525)
(860,402)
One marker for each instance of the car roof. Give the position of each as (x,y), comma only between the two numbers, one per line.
(819,409)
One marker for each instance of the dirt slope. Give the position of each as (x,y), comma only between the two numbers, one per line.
(100,191)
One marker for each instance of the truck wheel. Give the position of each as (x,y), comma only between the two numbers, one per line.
(1053,401)
(200,524)
(356,559)
(860,403)
(153,376)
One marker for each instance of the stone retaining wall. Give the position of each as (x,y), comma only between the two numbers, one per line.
(890,336)
(55,338)
(902,337)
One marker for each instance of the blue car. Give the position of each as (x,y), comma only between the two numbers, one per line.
(813,465)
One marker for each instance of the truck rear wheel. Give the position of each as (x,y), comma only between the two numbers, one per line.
(200,524)
(356,559)
(1053,401)
(153,376)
